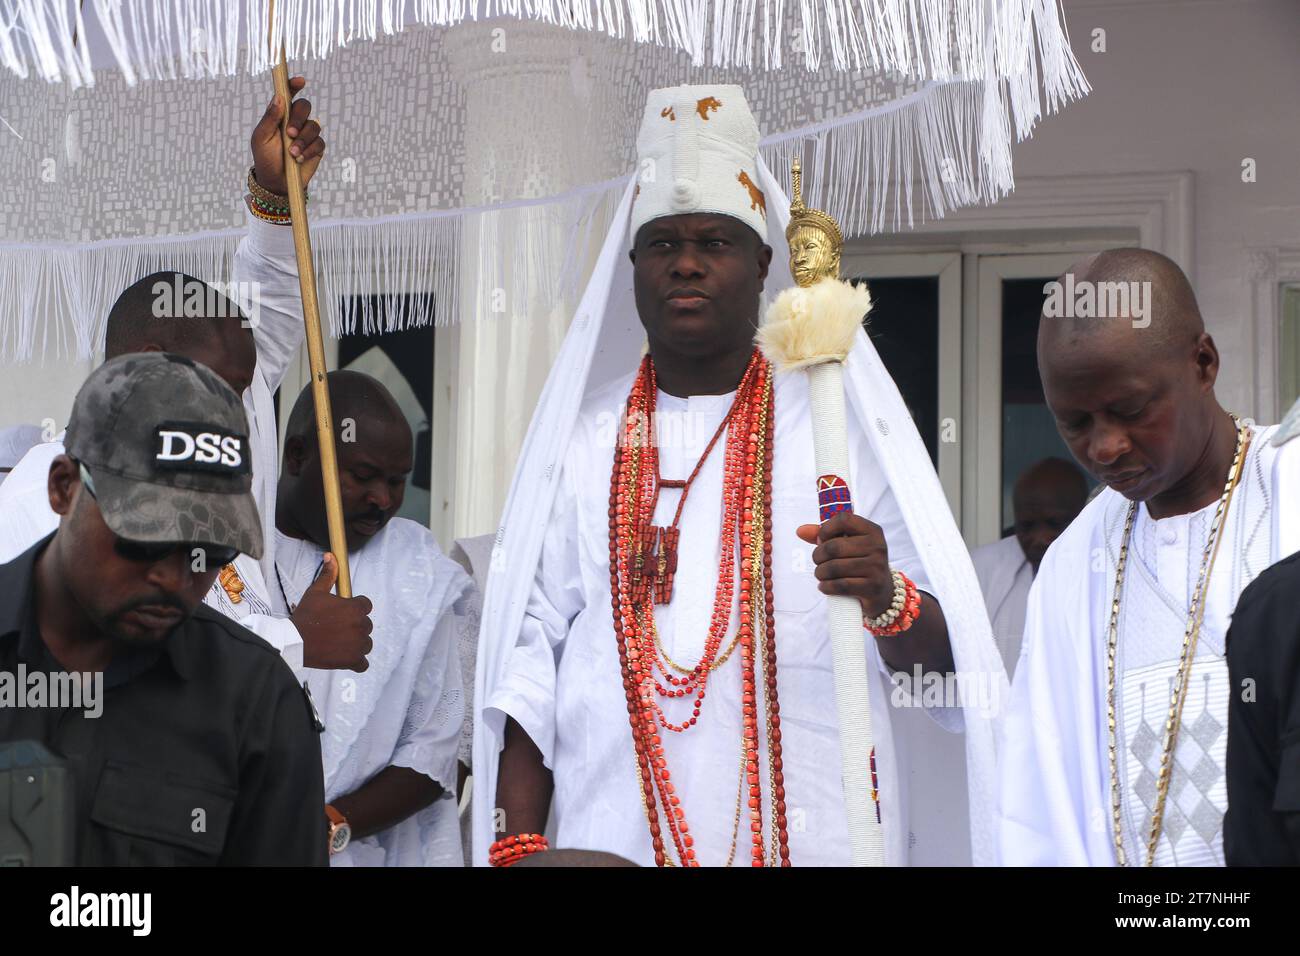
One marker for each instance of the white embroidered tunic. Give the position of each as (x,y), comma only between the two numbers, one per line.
(1055,778)
(406,709)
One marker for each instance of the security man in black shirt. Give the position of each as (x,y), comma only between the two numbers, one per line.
(1262,825)
(199,746)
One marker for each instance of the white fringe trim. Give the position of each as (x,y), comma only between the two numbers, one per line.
(937,40)
(941,133)
(372,276)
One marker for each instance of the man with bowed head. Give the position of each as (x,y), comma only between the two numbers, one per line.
(1114,742)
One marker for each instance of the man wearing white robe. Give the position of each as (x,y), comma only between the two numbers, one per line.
(573,714)
(1133,398)
(1047,496)
(392,732)
(555,675)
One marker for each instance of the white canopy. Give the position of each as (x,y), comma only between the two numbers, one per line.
(449,146)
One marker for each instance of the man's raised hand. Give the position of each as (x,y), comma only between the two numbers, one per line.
(268,154)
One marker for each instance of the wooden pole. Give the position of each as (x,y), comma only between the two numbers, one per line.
(315,341)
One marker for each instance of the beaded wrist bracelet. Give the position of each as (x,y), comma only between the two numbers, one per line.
(510,850)
(266,205)
(902,611)
(265,196)
(278,218)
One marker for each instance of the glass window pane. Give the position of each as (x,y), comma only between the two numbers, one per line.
(1288,371)
(904,327)
(403,362)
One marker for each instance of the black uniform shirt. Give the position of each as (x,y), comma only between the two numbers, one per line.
(205,751)
(1262,826)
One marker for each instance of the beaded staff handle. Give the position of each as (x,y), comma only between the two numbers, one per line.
(844,615)
(315,340)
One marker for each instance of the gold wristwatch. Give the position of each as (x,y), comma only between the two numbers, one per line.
(340,832)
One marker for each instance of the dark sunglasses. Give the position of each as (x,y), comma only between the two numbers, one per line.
(151,552)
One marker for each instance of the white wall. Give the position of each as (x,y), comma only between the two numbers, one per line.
(34,392)
(1194,85)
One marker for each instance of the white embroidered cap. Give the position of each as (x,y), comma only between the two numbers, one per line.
(697,151)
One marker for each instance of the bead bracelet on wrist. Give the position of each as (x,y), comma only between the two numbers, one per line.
(512,849)
(902,611)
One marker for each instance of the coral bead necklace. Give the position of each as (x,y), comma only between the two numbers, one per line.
(642,559)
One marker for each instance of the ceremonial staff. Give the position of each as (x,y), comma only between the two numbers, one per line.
(311,319)
(812,326)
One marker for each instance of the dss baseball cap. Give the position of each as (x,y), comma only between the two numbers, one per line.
(166,443)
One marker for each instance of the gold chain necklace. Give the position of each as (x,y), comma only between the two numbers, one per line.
(1190,635)
(740,791)
(722,658)
(760,629)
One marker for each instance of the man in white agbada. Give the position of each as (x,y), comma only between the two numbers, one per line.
(1047,496)
(551,704)
(392,732)
(1134,399)
(169,311)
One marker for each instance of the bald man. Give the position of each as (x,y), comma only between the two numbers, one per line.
(392,732)
(1130,608)
(1046,498)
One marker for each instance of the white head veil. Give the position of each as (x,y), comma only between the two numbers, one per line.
(607,328)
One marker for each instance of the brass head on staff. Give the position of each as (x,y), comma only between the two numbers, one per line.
(814,237)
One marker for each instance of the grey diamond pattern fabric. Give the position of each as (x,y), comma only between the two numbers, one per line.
(1164,560)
